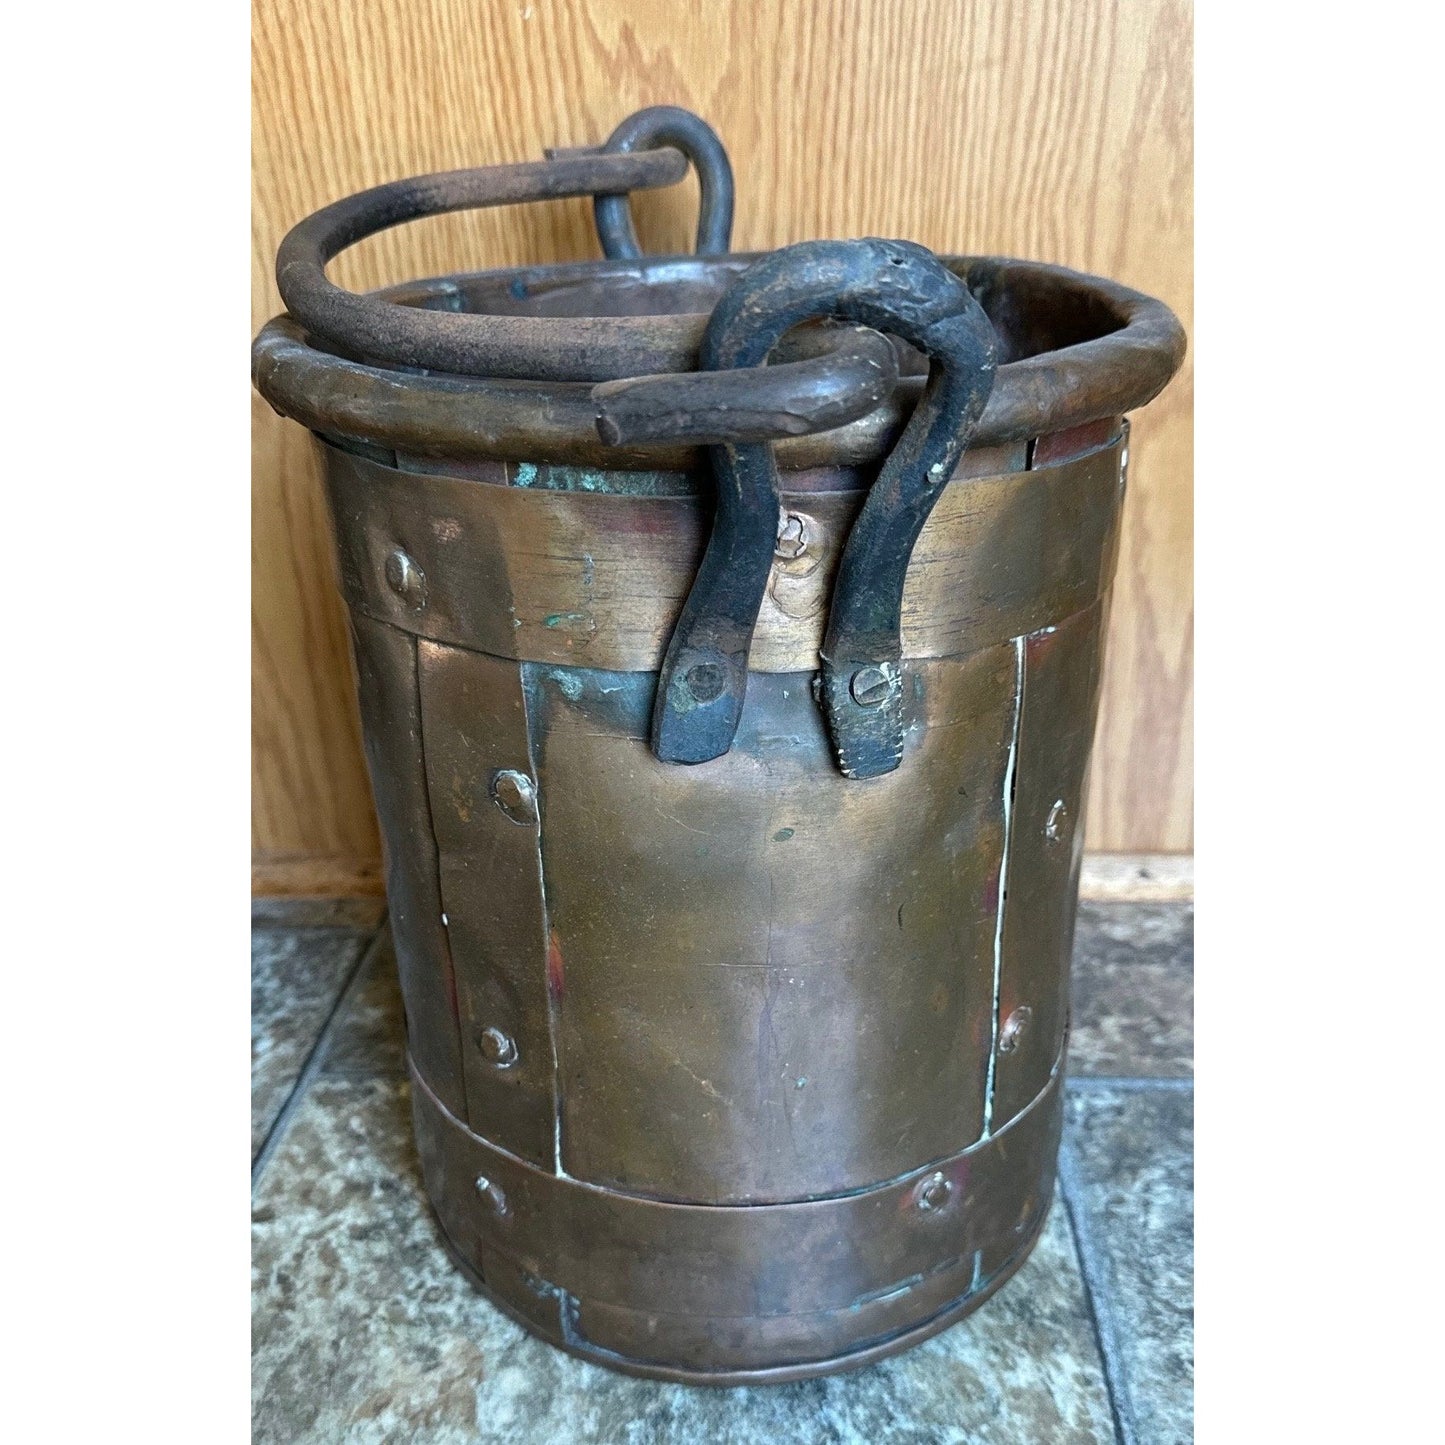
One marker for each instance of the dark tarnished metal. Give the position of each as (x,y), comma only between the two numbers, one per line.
(896,287)
(750,1070)
(454,343)
(788,399)
(670,125)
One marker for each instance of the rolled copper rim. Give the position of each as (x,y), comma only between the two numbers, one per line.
(1076,349)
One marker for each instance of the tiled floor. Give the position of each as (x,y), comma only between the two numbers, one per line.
(364,1332)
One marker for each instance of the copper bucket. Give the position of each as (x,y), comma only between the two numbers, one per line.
(727,632)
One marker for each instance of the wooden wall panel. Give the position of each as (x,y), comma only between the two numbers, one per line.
(1039,128)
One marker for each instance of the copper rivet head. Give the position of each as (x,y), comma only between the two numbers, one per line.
(869,686)
(498,1049)
(1013,1029)
(1057,822)
(705,681)
(406,579)
(792,536)
(516,795)
(493,1195)
(934,1192)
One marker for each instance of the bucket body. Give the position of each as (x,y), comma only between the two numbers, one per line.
(731,799)
(758,1065)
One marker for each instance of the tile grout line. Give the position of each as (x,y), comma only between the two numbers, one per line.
(1101,1314)
(314,1060)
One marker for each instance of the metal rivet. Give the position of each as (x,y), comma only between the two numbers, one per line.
(934,1192)
(406,579)
(705,681)
(870,686)
(492,1193)
(792,536)
(498,1049)
(1013,1029)
(516,795)
(1057,822)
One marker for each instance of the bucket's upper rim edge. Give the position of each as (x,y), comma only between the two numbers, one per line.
(1138,347)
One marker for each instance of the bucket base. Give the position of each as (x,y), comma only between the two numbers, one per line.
(854,1359)
(729,1294)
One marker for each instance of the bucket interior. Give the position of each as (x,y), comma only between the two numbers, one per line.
(1031,312)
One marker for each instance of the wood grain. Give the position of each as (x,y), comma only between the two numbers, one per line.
(1137,878)
(1037,128)
(315,875)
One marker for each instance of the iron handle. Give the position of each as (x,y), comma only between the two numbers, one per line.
(849,373)
(649,149)
(669,125)
(895,287)
(839,383)
(407,335)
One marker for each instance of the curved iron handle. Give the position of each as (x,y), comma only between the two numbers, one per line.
(892,286)
(669,125)
(439,341)
(764,403)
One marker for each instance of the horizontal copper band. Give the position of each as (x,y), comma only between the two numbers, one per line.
(772,1350)
(782,1347)
(726,1262)
(587,579)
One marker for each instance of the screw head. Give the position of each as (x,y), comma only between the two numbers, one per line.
(516,795)
(498,1049)
(1014,1027)
(870,686)
(1056,824)
(934,1192)
(705,681)
(792,536)
(406,579)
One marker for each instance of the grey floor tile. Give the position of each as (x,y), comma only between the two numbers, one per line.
(1128,1167)
(364,1331)
(1133,990)
(296,978)
(362,914)
(368,1039)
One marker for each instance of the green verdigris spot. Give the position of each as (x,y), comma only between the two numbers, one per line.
(594,479)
